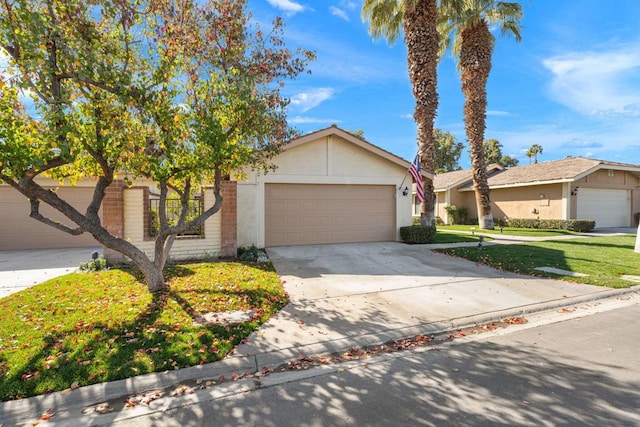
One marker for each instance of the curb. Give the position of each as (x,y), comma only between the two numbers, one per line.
(69,404)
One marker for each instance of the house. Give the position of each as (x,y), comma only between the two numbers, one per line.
(571,188)
(329,186)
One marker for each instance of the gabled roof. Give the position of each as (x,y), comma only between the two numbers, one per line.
(348,136)
(565,170)
(445,181)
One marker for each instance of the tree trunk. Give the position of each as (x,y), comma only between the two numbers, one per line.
(153,276)
(475,64)
(638,240)
(421,38)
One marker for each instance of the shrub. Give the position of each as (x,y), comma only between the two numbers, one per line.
(252,254)
(96,264)
(578,225)
(452,213)
(418,234)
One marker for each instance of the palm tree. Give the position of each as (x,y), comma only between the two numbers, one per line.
(533,151)
(466,24)
(418,20)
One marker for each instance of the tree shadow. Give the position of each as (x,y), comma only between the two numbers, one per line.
(472,384)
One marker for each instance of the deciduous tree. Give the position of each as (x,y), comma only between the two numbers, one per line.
(179,92)
(448,151)
(493,154)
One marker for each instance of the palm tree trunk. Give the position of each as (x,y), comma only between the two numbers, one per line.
(421,38)
(475,65)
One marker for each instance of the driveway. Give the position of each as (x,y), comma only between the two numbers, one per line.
(22,269)
(371,292)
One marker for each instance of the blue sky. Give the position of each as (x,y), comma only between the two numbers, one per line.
(571,85)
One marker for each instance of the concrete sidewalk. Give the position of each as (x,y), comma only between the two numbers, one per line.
(342,296)
(22,269)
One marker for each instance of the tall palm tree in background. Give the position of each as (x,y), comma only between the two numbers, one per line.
(464,28)
(418,20)
(533,152)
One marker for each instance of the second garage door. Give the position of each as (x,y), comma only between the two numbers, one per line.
(19,231)
(609,208)
(306,214)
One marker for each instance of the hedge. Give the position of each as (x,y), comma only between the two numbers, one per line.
(417,234)
(579,225)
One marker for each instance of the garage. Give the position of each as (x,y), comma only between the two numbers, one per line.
(608,207)
(19,231)
(306,214)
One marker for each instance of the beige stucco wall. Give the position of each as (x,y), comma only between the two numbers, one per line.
(541,201)
(603,179)
(183,248)
(326,160)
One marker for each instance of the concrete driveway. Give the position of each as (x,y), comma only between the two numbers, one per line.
(22,269)
(358,294)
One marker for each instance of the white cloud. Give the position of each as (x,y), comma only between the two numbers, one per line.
(597,83)
(348,4)
(299,120)
(339,13)
(312,98)
(407,116)
(290,7)
(497,113)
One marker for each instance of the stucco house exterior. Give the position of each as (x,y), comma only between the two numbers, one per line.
(329,186)
(571,188)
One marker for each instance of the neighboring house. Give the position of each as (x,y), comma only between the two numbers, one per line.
(328,187)
(572,188)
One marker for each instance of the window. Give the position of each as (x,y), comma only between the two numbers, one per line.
(610,172)
(196,208)
(416,206)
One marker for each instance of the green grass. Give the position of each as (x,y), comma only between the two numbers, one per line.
(604,259)
(93,327)
(510,231)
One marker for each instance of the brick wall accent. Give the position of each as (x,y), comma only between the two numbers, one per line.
(229,218)
(113,216)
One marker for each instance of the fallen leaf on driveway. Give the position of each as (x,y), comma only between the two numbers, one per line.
(48,414)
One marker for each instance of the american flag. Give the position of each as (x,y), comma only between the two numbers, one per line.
(414,170)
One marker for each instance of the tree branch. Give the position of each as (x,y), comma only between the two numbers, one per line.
(35,214)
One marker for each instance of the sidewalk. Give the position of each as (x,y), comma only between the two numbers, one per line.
(342,296)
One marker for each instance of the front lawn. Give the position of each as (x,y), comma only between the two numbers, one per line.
(510,231)
(604,259)
(87,328)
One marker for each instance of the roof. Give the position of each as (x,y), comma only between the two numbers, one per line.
(565,170)
(447,180)
(348,136)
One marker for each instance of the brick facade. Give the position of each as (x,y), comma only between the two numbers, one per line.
(113,216)
(229,212)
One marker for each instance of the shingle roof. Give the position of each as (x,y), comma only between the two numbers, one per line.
(559,170)
(565,169)
(447,180)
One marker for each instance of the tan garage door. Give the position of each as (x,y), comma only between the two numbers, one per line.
(306,214)
(19,231)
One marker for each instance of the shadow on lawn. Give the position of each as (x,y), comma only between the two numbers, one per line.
(144,344)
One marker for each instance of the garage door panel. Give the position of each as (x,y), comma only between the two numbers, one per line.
(608,207)
(318,214)
(19,231)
